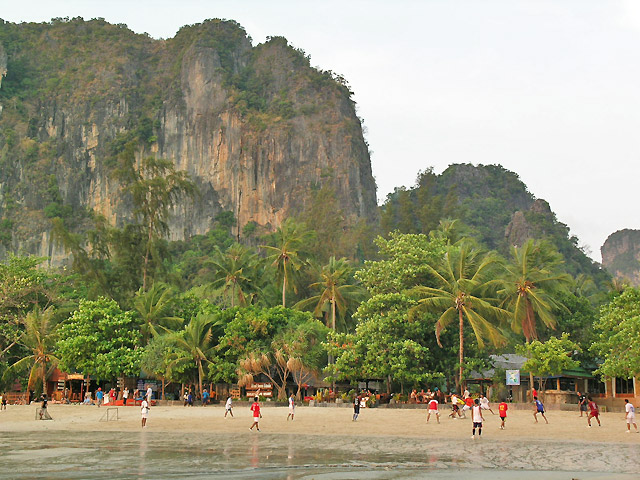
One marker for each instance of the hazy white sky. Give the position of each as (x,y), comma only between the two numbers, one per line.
(548,89)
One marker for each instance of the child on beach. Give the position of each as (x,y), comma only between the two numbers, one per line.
(356,407)
(255,408)
(227,407)
(292,407)
(433,408)
(538,408)
(477,418)
(630,415)
(594,412)
(144,411)
(502,410)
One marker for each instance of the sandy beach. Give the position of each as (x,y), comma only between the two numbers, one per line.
(563,426)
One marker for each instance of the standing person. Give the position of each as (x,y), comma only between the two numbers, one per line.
(594,411)
(538,408)
(205,397)
(3,401)
(484,404)
(149,394)
(630,415)
(477,418)
(227,407)
(292,407)
(112,396)
(433,408)
(502,410)
(582,403)
(125,396)
(144,411)
(43,410)
(356,407)
(99,396)
(185,397)
(255,408)
(190,399)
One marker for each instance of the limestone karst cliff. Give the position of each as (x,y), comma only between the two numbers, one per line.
(621,255)
(256,127)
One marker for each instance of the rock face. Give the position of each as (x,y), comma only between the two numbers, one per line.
(257,128)
(621,255)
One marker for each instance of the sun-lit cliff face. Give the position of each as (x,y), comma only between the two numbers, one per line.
(256,127)
(621,255)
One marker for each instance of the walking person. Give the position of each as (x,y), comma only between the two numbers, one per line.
(538,408)
(227,407)
(502,410)
(630,415)
(205,398)
(99,396)
(292,407)
(255,408)
(43,409)
(144,411)
(149,394)
(433,408)
(477,418)
(356,407)
(125,396)
(582,403)
(594,412)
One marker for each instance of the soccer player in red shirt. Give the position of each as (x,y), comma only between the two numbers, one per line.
(593,412)
(502,409)
(255,408)
(433,408)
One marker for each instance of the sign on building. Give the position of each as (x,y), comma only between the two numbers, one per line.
(513,377)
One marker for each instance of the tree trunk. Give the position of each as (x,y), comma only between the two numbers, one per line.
(284,288)
(233,295)
(146,258)
(200,376)
(44,380)
(162,388)
(333,327)
(389,384)
(461,318)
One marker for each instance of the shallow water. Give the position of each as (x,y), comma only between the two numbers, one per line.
(154,455)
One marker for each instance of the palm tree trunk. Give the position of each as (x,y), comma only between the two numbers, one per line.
(44,379)
(284,289)
(461,318)
(146,258)
(200,376)
(233,295)
(333,326)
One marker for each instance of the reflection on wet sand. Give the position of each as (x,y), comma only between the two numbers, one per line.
(242,456)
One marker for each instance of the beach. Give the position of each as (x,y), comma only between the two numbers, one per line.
(198,442)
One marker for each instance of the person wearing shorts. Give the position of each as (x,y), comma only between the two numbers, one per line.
(144,412)
(594,412)
(356,407)
(477,418)
(433,408)
(538,408)
(255,408)
(227,407)
(502,410)
(582,403)
(292,407)
(99,396)
(484,404)
(630,415)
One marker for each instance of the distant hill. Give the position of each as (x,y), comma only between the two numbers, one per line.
(493,203)
(621,255)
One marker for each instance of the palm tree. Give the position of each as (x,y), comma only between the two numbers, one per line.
(336,295)
(155,306)
(530,281)
(290,240)
(463,283)
(196,342)
(235,270)
(40,339)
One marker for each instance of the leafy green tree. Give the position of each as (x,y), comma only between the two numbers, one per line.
(385,345)
(286,256)
(155,308)
(336,294)
(101,340)
(155,187)
(617,342)
(197,343)
(549,358)
(39,339)
(157,357)
(236,273)
(464,279)
(532,282)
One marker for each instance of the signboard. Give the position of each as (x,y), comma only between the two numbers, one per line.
(513,377)
(262,389)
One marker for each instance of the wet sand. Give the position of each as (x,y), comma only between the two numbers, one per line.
(321,443)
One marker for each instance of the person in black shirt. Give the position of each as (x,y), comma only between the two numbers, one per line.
(582,403)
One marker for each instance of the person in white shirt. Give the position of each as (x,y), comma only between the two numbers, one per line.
(484,404)
(476,415)
(227,407)
(630,415)
(292,407)
(149,393)
(125,396)
(144,411)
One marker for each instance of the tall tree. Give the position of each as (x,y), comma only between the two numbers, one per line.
(236,273)
(464,280)
(39,338)
(531,282)
(336,294)
(286,255)
(155,187)
(155,308)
